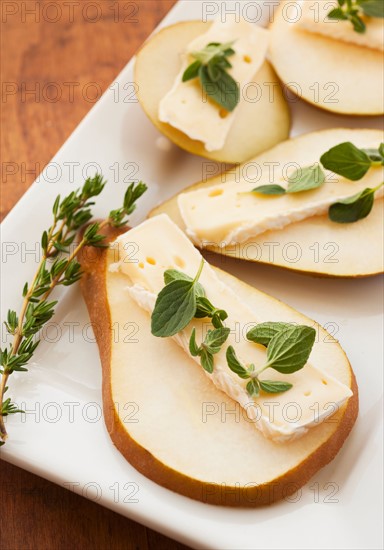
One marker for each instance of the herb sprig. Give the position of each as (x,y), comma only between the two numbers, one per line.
(353,10)
(349,161)
(212,344)
(354,208)
(205,309)
(264,332)
(353,163)
(302,179)
(69,214)
(288,351)
(182,299)
(288,346)
(211,68)
(176,303)
(346,160)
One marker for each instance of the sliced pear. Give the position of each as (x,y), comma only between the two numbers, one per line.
(170,422)
(331,74)
(257,125)
(315,245)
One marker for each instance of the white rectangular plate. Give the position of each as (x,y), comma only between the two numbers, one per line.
(62,437)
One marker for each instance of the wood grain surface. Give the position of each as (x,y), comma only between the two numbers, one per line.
(51,52)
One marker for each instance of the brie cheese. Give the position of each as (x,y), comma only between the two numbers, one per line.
(228,214)
(187,107)
(159,245)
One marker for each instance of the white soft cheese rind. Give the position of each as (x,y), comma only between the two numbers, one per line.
(313,18)
(228,214)
(270,413)
(186,107)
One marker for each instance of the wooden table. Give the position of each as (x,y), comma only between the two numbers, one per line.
(45,46)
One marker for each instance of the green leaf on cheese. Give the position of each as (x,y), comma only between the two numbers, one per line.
(347,160)
(269,190)
(288,350)
(353,208)
(264,332)
(305,179)
(274,386)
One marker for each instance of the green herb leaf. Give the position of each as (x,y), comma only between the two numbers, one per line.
(12,321)
(358,24)
(132,195)
(91,236)
(9,408)
(269,190)
(192,71)
(118,218)
(288,350)
(264,332)
(373,8)
(347,161)
(337,13)
(223,63)
(206,359)
(381,150)
(60,247)
(175,275)
(44,241)
(171,275)
(234,364)
(175,306)
(206,309)
(218,317)
(211,345)
(273,386)
(213,51)
(216,338)
(193,347)
(253,387)
(305,179)
(353,208)
(353,10)
(92,187)
(211,68)
(214,71)
(374,155)
(56,205)
(224,90)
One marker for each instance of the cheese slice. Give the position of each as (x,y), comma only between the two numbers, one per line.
(313,18)
(282,417)
(228,214)
(186,106)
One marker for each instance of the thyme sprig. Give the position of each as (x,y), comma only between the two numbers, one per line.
(58,243)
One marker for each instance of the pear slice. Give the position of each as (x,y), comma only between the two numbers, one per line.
(257,125)
(315,245)
(331,74)
(174,426)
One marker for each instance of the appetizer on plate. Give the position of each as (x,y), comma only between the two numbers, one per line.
(209,88)
(330,53)
(240,399)
(312,204)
